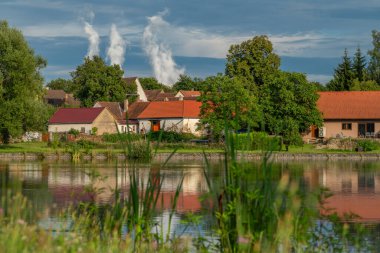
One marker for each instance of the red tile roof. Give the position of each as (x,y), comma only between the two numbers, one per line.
(75,115)
(171,109)
(349,104)
(135,109)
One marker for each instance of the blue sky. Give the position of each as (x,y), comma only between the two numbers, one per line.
(309,35)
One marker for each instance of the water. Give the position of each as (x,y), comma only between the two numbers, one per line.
(53,186)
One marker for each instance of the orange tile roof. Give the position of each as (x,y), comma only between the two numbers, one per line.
(349,104)
(171,109)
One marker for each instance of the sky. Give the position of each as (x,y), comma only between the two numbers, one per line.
(193,37)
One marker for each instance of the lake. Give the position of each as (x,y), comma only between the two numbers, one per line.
(54,186)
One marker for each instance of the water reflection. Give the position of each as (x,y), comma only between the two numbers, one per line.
(54,186)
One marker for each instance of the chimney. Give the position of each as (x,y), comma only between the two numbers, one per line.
(125,105)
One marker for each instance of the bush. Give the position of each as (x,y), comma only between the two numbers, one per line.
(122,137)
(171,136)
(367,145)
(139,150)
(73,132)
(257,141)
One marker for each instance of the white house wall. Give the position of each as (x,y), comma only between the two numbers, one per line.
(62,128)
(179,125)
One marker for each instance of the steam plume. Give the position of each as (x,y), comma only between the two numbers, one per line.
(165,69)
(93,38)
(116,48)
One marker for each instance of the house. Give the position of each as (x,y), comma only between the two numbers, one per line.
(348,114)
(159,95)
(60,98)
(179,116)
(187,94)
(84,120)
(140,91)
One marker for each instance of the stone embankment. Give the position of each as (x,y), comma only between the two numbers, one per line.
(190,156)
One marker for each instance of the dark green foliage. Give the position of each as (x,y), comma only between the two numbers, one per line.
(74,132)
(225,101)
(151,83)
(257,141)
(98,82)
(343,75)
(289,106)
(359,65)
(187,83)
(21,106)
(374,61)
(171,136)
(368,145)
(121,137)
(253,61)
(62,84)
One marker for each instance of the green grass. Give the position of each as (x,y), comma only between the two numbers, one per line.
(42,147)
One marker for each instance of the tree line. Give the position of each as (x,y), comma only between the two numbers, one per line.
(358,74)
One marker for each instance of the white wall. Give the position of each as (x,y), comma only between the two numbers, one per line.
(62,128)
(179,125)
(132,128)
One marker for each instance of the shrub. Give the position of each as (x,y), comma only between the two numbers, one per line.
(171,136)
(368,145)
(257,141)
(139,149)
(122,137)
(74,132)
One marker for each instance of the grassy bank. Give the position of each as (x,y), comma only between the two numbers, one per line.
(42,147)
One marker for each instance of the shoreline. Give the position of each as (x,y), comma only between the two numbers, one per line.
(162,156)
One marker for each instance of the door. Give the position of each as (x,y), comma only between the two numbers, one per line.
(155,125)
(361,130)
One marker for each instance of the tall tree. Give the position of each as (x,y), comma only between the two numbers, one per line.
(359,65)
(253,61)
(185,82)
(226,103)
(98,82)
(21,89)
(374,61)
(62,84)
(343,75)
(151,83)
(289,106)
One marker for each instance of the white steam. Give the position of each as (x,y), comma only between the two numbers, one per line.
(93,38)
(116,49)
(165,69)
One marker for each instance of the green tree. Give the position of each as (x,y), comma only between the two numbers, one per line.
(359,65)
(185,82)
(227,104)
(364,85)
(343,75)
(98,82)
(21,85)
(374,61)
(289,106)
(151,83)
(253,61)
(62,84)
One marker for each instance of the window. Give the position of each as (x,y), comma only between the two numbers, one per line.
(346,126)
(82,130)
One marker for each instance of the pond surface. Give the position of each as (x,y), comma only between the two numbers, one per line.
(53,186)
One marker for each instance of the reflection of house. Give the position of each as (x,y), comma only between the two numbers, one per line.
(60,98)
(179,116)
(83,120)
(348,114)
(354,191)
